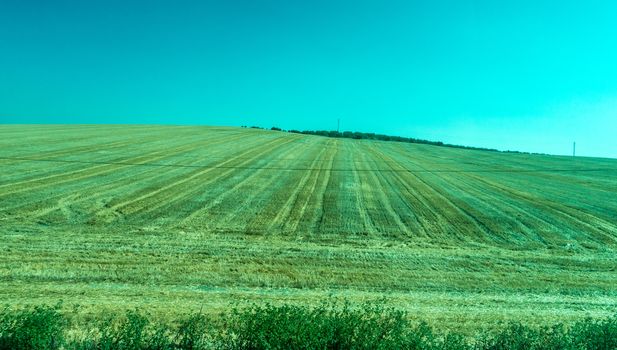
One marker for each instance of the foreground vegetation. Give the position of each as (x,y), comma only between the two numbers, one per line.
(328,326)
(175,219)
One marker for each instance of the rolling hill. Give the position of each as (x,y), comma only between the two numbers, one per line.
(173,218)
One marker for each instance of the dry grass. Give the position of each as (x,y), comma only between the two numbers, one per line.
(175,218)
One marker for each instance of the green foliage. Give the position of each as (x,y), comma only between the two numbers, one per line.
(33,328)
(195,332)
(595,334)
(134,331)
(589,334)
(331,325)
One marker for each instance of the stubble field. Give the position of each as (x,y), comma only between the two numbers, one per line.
(176,219)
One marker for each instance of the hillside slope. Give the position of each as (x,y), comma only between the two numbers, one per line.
(273,183)
(116,215)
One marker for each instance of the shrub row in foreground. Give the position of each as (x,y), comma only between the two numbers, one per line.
(329,326)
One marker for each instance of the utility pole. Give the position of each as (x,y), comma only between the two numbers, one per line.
(574,149)
(338,125)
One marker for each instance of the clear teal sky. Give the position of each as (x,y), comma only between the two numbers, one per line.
(524,75)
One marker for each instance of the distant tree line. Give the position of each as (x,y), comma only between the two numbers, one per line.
(380,137)
(371,136)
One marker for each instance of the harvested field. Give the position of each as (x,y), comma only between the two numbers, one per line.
(175,218)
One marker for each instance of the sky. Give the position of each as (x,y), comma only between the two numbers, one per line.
(523,75)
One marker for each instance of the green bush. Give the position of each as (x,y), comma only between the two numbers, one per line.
(595,334)
(589,334)
(331,325)
(195,332)
(32,328)
(134,331)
